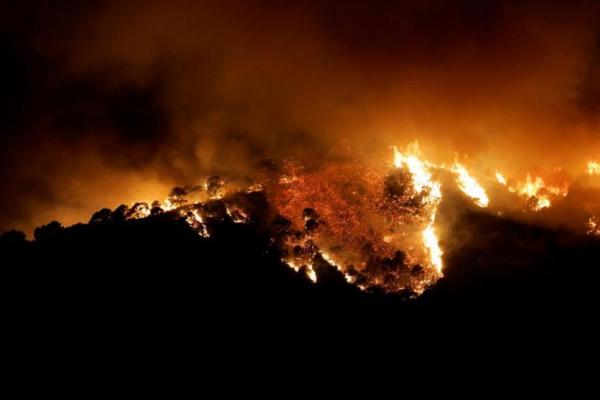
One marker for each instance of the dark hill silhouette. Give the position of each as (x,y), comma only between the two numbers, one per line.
(159,267)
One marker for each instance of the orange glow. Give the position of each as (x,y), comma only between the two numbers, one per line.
(593,226)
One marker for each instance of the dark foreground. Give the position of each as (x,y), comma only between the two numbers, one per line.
(151,297)
(158,274)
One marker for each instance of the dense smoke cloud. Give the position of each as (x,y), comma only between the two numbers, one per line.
(114,102)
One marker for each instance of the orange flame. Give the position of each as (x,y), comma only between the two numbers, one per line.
(593,168)
(470,186)
(423,183)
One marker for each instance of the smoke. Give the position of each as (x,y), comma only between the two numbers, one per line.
(114,102)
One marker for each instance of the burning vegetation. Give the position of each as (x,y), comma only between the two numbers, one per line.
(376,223)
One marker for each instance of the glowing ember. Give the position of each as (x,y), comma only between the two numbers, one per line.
(138,211)
(196,222)
(469,185)
(349,278)
(593,226)
(257,187)
(374,225)
(237,214)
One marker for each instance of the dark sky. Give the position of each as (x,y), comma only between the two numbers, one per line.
(117,101)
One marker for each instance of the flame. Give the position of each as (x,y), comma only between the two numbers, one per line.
(500,178)
(431,242)
(593,168)
(237,214)
(196,222)
(530,187)
(308,269)
(419,170)
(423,183)
(593,226)
(469,185)
(139,211)
(537,192)
(376,226)
(167,205)
(311,274)
(349,278)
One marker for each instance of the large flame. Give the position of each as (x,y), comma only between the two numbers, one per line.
(423,183)
(431,242)
(419,170)
(469,185)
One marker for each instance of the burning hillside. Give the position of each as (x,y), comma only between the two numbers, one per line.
(370,140)
(381,224)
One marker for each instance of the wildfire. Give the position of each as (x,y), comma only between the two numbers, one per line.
(196,222)
(593,168)
(376,225)
(500,178)
(138,211)
(593,226)
(419,170)
(373,224)
(537,192)
(431,242)
(237,214)
(423,183)
(349,278)
(469,185)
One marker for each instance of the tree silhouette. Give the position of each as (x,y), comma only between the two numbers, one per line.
(12,238)
(47,232)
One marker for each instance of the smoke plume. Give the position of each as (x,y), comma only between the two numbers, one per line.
(113,102)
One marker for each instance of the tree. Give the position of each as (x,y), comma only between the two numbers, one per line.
(47,232)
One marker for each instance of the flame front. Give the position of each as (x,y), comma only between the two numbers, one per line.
(374,224)
(593,226)
(423,183)
(500,178)
(432,243)
(420,172)
(469,185)
(537,192)
(593,168)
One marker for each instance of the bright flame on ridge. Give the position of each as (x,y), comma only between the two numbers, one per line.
(422,181)
(593,168)
(470,186)
(500,178)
